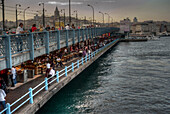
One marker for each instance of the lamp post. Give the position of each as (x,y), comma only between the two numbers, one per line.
(90,20)
(93,11)
(63,10)
(43,13)
(76,17)
(3,15)
(17,14)
(24,15)
(103,16)
(112,20)
(108,18)
(69,12)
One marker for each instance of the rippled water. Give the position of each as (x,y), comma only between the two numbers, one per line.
(130,78)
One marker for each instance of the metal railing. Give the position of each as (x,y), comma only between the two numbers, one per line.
(29,96)
(19,43)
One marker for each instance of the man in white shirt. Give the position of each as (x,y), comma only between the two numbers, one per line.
(13,76)
(51,73)
(67,27)
(2,98)
(19,30)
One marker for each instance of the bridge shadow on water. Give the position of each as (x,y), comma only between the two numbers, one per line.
(67,99)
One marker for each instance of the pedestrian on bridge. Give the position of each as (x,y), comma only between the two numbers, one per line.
(2,98)
(20,30)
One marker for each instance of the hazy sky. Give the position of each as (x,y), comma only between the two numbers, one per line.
(118,9)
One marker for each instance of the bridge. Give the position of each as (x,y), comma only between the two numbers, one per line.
(14,52)
(16,49)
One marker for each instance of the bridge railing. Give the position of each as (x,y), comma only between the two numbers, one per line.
(30,95)
(19,43)
(2,47)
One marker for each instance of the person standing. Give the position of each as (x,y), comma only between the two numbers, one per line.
(67,27)
(51,73)
(34,28)
(2,98)
(13,76)
(19,30)
(48,69)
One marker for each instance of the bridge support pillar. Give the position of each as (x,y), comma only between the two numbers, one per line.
(58,39)
(73,40)
(67,36)
(78,35)
(8,52)
(47,43)
(31,44)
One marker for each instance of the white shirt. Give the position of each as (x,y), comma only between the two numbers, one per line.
(67,27)
(2,95)
(13,71)
(18,30)
(58,60)
(52,72)
(48,65)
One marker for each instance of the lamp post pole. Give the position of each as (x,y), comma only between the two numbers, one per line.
(17,14)
(108,18)
(3,15)
(24,16)
(93,11)
(43,13)
(103,16)
(63,10)
(76,17)
(69,12)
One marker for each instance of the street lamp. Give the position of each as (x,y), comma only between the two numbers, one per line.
(112,20)
(63,10)
(24,15)
(76,17)
(3,15)
(90,20)
(103,16)
(108,18)
(69,12)
(43,13)
(93,11)
(17,14)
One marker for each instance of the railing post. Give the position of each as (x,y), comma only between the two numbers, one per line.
(78,35)
(82,34)
(82,59)
(72,67)
(89,56)
(47,43)
(73,37)
(86,33)
(8,111)
(8,51)
(31,96)
(58,39)
(31,44)
(90,33)
(57,76)
(46,84)
(67,36)
(77,63)
(94,53)
(86,58)
(66,71)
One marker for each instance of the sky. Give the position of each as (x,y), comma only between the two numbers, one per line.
(157,10)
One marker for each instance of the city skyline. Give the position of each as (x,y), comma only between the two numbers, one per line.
(156,10)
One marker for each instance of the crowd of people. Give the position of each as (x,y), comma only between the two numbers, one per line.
(20,29)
